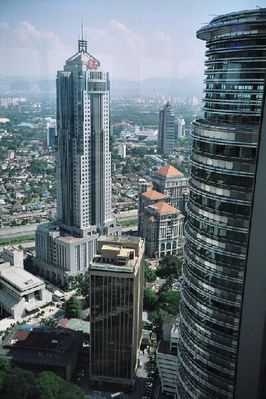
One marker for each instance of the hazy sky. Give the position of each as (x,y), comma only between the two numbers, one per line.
(133,39)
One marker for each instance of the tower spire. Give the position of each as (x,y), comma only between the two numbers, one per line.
(82,44)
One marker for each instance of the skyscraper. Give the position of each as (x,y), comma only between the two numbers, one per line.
(116,302)
(223,165)
(166,132)
(83,162)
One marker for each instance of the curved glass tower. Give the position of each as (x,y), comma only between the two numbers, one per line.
(221,185)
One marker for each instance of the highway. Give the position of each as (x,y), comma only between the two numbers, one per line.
(16,231)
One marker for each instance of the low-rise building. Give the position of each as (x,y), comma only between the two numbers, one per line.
(20,291)
(42,349)
(167,357)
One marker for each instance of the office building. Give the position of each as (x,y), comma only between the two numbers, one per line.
(162,228)
(160,205)
(116,302)
(166,139)
(83,163)
(51,133)
(171,182)
(218,325)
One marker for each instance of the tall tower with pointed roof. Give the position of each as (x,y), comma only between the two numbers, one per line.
(83,169)
(83,158)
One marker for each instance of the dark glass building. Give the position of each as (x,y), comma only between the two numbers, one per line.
(116,302)
(223,164)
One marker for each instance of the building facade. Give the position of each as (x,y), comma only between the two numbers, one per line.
(20,292)
(223,164)
(51,133)
(180,126)
(162,227)
(171,182)
(116,298)
(160,205)
(166,357)
(166,131)
(83,165)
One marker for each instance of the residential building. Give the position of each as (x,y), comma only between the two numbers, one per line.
(20,292)
(116,300)
(221,351)
(162,227)
(166,357)
(122,150)
(83,163)
(180,126)
(166,139)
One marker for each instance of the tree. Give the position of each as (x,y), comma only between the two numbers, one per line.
(5,364)
(170,300)
(38,166)
(84,284)
(149,299)
(18,384)
(72,307)
(169,266)
(149,274)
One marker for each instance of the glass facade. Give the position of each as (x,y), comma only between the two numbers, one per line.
(223,160)
(111,326)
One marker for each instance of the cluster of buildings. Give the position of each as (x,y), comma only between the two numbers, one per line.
(20,198)
(161,212)
(218,349)
(84,236)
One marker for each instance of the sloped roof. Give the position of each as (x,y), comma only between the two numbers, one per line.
(153,194)
(163,207)
(169,171)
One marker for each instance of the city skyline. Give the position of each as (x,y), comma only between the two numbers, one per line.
(133,42)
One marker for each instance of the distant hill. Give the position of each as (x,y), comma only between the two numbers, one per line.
(162,86)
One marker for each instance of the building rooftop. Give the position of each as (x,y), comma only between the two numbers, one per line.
(163,207)
(153,194)
(41,346)
(166,349)
(169,171)
(19,278)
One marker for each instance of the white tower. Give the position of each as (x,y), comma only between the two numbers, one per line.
(84,204)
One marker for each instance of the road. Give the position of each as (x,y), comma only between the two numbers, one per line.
(8,232)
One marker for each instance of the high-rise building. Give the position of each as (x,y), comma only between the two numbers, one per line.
(51,133)
(116,302)
(180,126)
(166,133)
(83,162)
(223,165)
